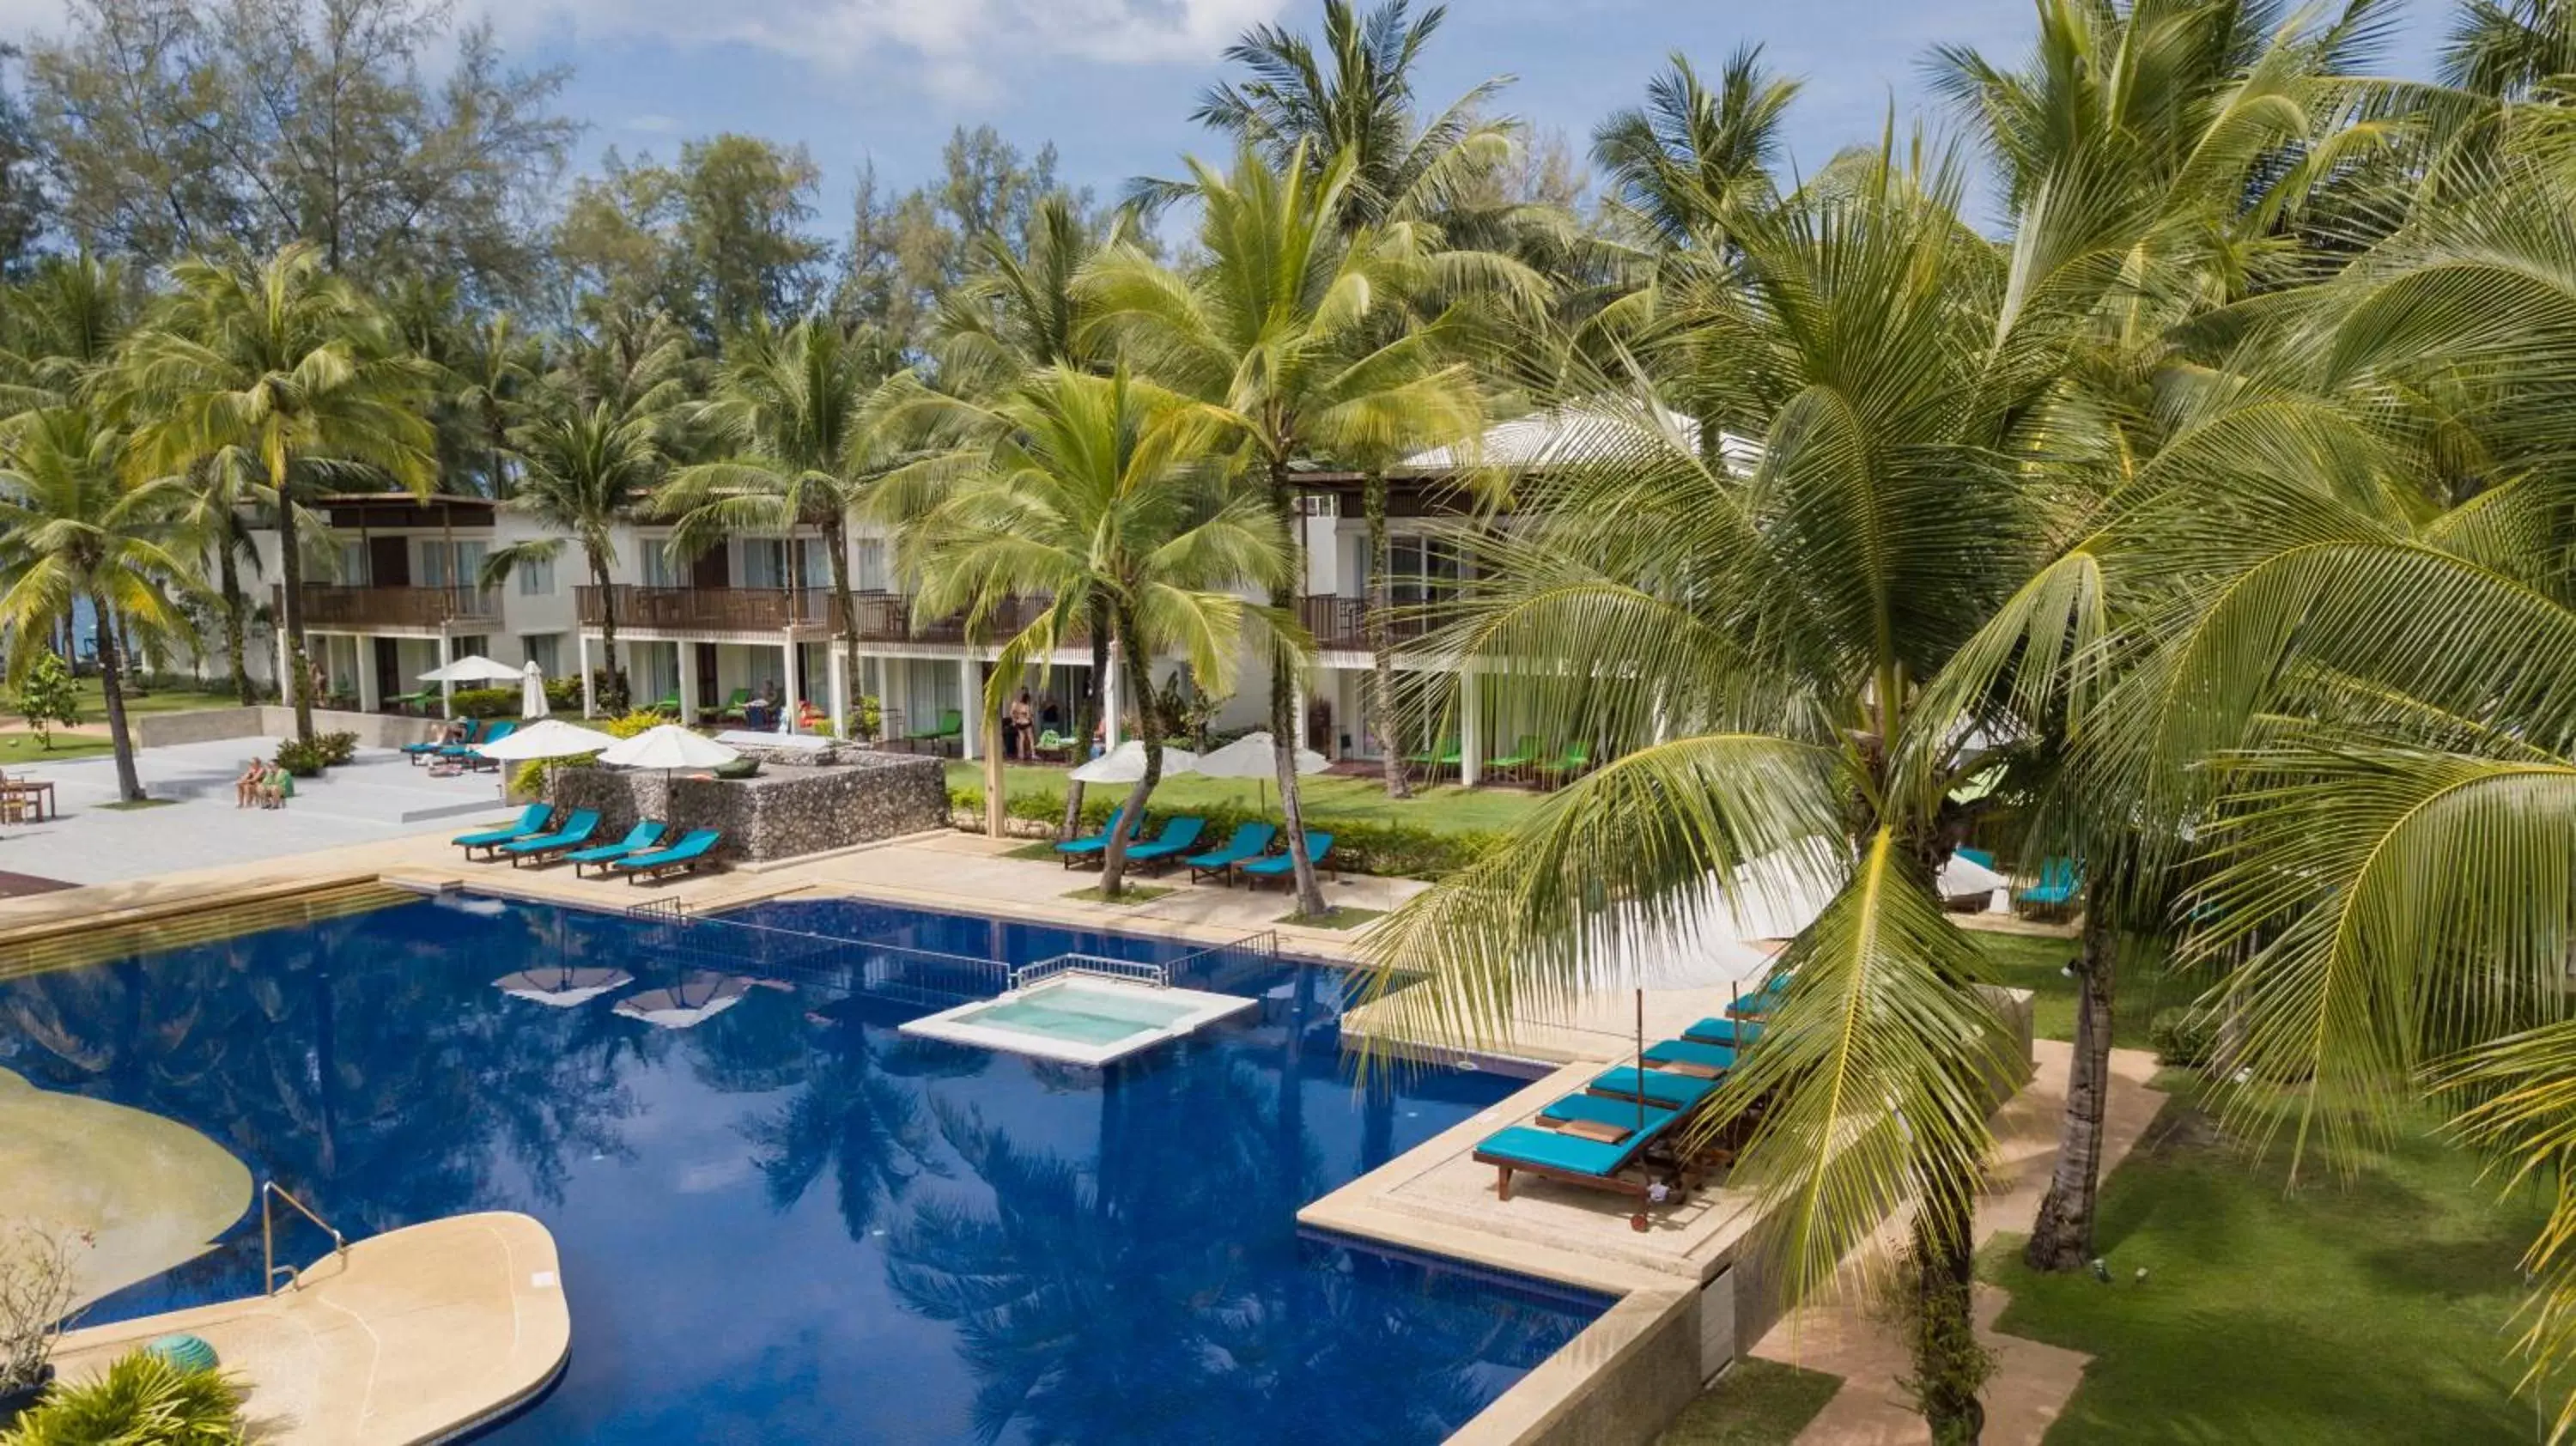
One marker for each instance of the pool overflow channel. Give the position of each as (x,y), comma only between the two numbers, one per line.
(1073,1008)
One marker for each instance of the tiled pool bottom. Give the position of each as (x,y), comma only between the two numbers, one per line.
(793,1224)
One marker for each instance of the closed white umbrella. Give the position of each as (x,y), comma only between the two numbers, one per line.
(667,746)
(472,668)
(547,738)
(1126,764)
(532,692)
(1250,756)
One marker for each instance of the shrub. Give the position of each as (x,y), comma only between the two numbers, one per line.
(485,703)
(336,748)
(47,696)
(867,717)
(38,1286)
(1392,850)
(529,781)
(304,760)
(2183,1037)
(563,694)
(143,1400)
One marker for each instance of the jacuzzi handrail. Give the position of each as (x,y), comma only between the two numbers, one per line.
(1097,965)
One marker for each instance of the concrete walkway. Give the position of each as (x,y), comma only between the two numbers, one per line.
(416,1335)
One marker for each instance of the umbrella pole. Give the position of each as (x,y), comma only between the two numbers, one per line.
(1641,1060)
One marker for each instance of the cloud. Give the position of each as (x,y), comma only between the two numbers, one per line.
(954,39)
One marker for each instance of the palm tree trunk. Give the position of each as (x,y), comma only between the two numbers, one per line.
(129,784)
(228,579)
(1950,1367)
(297,686)
(997,802)
(1381,647)
(2061,1238)
(1149,731)
(1283,702)
(1087,719)
(845,608)
(612,697)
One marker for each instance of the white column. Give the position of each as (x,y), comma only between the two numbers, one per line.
(581,648)
(1471,747)
(446,688)
(787,698)
(371,688)
(1108,708)
(971,703)
(688,685)
(840,700)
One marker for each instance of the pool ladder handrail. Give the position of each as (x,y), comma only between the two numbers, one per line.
(1128,971)
(268,1236)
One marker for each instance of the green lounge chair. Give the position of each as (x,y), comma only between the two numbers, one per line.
(1656,1087)
(1090,846)
(1179,836)
(668,705)
(732,710)
(639,840)
(1566,767)
(695,850)
(1685,1056)
(1283,865)
(1733,1033)
(1050,743)
(1523,758)
(1250,841)
(1564,1146)
(575,832)
(952,724)
(532,822)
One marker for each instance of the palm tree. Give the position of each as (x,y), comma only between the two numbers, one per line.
(1356,100)
(77,530)
(1692,159)
(811,419)
(2510,49)
(1282,333)
(292,365)
(1105,495)
(589,468)
(1753,648)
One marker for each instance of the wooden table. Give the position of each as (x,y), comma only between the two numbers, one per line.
(39,790)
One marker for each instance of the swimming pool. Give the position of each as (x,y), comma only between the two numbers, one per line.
(788,1222)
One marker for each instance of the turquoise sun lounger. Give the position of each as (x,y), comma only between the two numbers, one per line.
(695,849)
(639,839)
(1733,1033)
(1250,841)
(1656,1087)
(531,823)
(1178,837)
(542,847)
(1283,864)
(420,753)
(1684,1056)
(1090,846)
(1571,1155)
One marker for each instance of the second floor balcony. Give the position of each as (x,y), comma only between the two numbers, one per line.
(1341,622)
(886,617)
(704,609)
(334,606)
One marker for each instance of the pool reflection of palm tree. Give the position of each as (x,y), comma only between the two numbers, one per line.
(858,1116)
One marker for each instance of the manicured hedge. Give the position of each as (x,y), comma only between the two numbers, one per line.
(1359,847)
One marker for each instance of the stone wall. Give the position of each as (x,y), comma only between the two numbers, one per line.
(207,725)
(780,813)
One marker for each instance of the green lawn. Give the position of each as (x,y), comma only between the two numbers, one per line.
(2038,965)
(1758,1403)
(19,749)
(93,702)
(2375,1310)
(1327,799)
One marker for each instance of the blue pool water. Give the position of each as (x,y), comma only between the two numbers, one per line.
(791,1224)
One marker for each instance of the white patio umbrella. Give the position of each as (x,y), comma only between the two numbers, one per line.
(693,1002)
(1250,757)
(667,746)
(1126,764)
(562,988)
(532,692)
(547,738)
(1965,878)
(472,668)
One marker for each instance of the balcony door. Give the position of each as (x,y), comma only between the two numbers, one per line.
(388,563)
(709,569)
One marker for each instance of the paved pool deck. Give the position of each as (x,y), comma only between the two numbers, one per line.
(416,1335)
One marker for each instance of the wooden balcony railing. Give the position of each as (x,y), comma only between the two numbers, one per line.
(712,609)
(886,617)
(1342,622)
(327,606)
